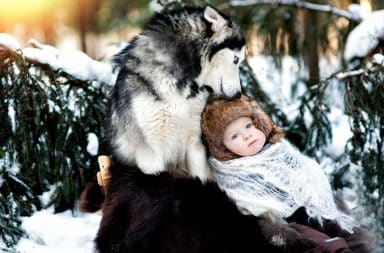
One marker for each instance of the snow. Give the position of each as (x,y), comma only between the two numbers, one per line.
(155,6)
(60,233)
(12,115)
(378,59)
(8,42)
(278,82)
(73,62)
(365,36)
(341,132)
(356,11)
(14,169)
(93,144)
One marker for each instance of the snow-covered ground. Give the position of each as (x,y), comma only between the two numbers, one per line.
(60,233)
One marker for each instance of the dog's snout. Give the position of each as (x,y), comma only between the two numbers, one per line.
(236,95)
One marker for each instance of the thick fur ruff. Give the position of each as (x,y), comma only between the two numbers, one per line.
(165,76)
(146,213)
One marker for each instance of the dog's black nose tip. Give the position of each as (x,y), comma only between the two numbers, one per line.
(237,95)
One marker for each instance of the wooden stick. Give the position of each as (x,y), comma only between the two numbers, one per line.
(103,175)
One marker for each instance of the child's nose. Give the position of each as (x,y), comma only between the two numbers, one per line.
(246,136)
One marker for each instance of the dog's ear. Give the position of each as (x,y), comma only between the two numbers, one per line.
(214,17)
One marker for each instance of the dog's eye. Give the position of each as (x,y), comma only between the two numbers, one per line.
(236,60)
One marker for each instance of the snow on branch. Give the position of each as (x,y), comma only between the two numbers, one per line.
(365,37)
(347,74)
(376,64)
(8,42)
(74,62)
(300,4)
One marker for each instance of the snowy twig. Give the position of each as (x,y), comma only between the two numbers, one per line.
(358,72)
(300,4)
(347,74)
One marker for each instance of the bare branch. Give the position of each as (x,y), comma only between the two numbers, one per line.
(299,4)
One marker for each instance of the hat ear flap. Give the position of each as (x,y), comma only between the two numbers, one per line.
(263,122)
(276,134)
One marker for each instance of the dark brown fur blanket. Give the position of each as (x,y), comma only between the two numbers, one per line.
(144,214)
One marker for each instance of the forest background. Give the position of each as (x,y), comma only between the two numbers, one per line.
(298,66)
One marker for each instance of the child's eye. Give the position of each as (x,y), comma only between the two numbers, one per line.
(249,125)
(235,136)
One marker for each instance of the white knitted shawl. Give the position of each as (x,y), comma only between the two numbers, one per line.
(279,179)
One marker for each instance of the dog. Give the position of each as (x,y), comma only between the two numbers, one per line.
(165,75)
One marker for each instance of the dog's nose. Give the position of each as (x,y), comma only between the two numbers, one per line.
(237,95)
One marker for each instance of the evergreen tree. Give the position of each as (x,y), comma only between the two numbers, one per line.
(46,118)
(363,98)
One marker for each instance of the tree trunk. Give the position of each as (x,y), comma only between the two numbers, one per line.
(311,39)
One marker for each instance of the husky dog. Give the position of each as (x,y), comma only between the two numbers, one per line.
(165,76)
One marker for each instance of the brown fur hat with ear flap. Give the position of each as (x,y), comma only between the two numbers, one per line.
(218,113)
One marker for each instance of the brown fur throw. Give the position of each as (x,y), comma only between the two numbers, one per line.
(146,213)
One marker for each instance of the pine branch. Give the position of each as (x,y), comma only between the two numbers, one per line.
(356,73)
(299,4)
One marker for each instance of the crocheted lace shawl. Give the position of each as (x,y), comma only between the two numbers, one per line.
(279,179)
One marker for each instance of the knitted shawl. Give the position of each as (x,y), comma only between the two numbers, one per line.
(279,179)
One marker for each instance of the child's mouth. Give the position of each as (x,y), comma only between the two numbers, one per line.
(252,142)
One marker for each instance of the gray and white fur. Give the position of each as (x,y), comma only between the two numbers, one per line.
(165,76)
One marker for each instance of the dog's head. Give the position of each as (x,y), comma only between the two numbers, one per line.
(195,47)
(222,55)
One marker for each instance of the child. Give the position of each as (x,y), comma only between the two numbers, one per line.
(263,173)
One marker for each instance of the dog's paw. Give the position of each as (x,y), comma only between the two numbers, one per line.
(203,174)
(150,168)
(197,162)
(149,163)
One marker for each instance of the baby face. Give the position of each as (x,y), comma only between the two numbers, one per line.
(243,138)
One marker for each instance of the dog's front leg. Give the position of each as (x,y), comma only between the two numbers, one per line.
(197,162)
(149,162)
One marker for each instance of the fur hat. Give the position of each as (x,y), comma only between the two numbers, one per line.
(219,112)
